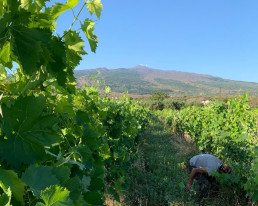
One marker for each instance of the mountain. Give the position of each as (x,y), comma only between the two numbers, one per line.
(145,80)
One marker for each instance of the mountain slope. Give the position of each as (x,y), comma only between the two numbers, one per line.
(144,80)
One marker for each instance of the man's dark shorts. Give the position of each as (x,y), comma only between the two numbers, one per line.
(204,181)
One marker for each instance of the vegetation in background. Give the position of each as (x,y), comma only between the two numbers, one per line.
(160,169)
(65,145)
(162,174)
(123,81)
(145,80)
(59,145)
(161,100)
(228,130)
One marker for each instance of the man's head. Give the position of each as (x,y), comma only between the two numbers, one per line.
(224,168)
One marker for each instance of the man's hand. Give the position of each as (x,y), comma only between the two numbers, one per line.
(192,175)
(188,188)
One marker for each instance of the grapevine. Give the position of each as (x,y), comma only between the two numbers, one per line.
(227,130)
(59,145)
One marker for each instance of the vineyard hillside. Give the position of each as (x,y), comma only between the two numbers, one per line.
(144,80)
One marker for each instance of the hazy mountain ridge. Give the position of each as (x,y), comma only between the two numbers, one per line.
(145,80)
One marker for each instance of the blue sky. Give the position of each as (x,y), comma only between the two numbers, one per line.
(216,37)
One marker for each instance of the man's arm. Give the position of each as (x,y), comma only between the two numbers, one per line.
(192,175)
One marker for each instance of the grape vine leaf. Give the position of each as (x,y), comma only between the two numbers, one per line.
(74,44)
(41,20)
(27,132)
(59,8)
(4,22)
(55,196)
(88,29)
(56,67)
(2,9)
(86,182)
(62,173)
(90,137)
(94,198)
(105,151)
(9,178)
(5,54)
(114,193)
(22,17)
(40,204)
(64,105)
(74,185)
(13,5)
(33,5)
(95,6)
(35,80)
(5,198)
(28,48)
(3,73)
(96,184)
(39,178)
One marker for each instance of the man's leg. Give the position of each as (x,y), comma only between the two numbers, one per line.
(214,186)
(203,185)
(202,181)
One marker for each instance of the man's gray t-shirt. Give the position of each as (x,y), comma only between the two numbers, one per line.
(207,161)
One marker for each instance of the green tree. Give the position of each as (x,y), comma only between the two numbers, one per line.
(159,96)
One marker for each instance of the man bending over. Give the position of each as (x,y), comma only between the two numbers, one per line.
(200,167)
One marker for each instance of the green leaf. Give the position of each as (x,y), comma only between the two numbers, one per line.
(59,8)
(88,29)
(5,55)
(57,66)
(90,138)
(114,193)
(107,90)
(181,185)
(40,204)
(2,7)
(99,168)
(45,131)
(23,113)
(86,182)
(41,20)
(64,105)
(13,5)
(39,178)
(3,73)
(4,22)
(74,42)
(9,178)
(105,151)
(39,4)
(74,45)
(37,79)
(5,198)
(74,185)
(94,198)
(27,132)
(96,184)
(33,5)
(95,6)
(62,173)
(16,151)
(27,46)
(56,196)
